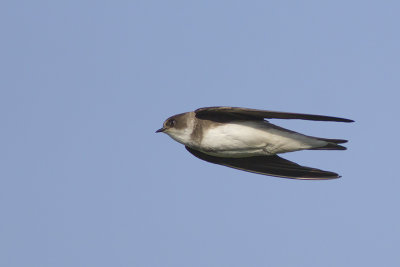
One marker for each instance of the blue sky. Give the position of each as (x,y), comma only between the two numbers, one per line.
(85,181)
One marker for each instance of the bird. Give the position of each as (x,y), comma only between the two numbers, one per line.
(243,139)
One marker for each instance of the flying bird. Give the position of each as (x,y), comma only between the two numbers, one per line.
(243,139)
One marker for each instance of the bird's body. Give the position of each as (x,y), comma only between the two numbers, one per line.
(252,138)
(224,135)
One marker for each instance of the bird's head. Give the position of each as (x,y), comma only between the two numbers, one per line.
(178,127)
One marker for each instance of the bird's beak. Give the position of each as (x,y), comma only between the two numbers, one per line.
(160,130)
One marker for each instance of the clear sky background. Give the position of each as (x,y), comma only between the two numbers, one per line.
(85,181)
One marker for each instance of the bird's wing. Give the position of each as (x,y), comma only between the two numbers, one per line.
(224,114)
(268,165)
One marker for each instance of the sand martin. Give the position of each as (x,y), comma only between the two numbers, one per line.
(243,139)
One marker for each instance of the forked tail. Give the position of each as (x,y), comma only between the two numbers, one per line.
(332,144)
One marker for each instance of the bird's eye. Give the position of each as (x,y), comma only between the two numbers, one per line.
(171,123)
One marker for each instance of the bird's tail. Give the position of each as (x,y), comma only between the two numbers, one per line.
(332,144)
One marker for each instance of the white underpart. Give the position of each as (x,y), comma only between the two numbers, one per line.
(244,139)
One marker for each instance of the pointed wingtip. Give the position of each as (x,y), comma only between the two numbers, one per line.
(342,119)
